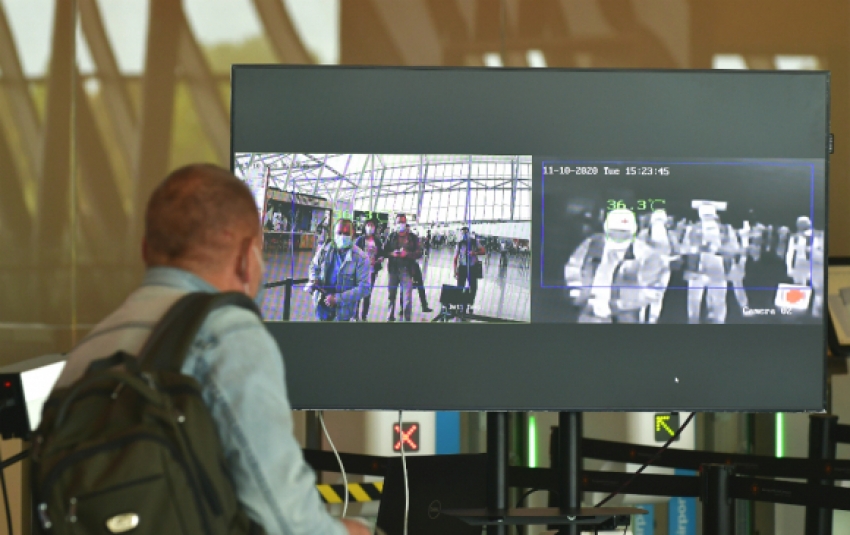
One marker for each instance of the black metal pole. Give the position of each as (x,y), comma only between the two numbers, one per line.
(718,507)
(822,446)
(518,455)
(569,466)
(287,299)
(555,463)
(497,467)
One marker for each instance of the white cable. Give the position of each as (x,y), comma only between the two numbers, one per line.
(404,470)
(339,460)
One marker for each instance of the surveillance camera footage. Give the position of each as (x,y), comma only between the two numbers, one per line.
(684,242)
(393,237)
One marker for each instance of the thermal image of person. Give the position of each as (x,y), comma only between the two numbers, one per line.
(654,250)
(467,266)
(370,244)
(738,264)
(783,234)
(705,244)
(339,276)
(817,272)
(403,249)
(756,245)
(602,273)
(799,255)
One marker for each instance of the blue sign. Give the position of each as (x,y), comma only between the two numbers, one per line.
(644,524)
(448,432)
(682,518)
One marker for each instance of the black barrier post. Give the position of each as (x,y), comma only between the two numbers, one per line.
(569,466)
(822,446)
(287,299)
(497,467)
(518,454)
(718,506)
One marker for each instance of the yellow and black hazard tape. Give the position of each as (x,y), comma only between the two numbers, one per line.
(357,492)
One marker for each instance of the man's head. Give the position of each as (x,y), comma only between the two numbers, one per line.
(707,211)
(342,233)
(620,229)
(204,220)
(401,223)
(464,231)
(370,227)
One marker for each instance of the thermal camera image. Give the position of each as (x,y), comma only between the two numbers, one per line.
(683,242)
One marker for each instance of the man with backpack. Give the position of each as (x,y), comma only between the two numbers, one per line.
(202,236)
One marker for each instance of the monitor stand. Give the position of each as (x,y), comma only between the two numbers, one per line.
(569,516)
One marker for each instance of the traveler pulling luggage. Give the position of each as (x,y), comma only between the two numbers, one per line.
(134,448)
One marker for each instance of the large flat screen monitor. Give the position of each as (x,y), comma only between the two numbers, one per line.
(540,239)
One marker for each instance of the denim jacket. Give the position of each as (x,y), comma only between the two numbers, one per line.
(353,282)
(240,369)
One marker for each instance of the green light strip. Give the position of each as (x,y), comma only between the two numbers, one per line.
(780,435)
(532,442)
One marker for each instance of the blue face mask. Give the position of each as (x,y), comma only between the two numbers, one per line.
(401,227)
(342,242)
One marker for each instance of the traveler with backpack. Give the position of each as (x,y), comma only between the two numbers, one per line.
(193,433)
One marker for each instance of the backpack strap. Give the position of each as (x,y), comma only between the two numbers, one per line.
(169,343)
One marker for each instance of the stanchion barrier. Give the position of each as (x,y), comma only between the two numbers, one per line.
(822,446)
(786,492)
(287,283)
(740,487)
(751,465)
(594,481)
(284,282)
(718,503)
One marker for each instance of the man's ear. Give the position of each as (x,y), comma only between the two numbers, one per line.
(242,260)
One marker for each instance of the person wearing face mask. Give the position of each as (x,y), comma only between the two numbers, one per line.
(467,266)
(339,276)
(403,248)
(654,249)
(709,246)
(203,234)
(601,274)
(370,243)
(798,255)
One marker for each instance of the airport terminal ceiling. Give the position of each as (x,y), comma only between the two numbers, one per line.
(435,189)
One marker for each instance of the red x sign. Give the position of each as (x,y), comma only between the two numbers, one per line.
(407,437)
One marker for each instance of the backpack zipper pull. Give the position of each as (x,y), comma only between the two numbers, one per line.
(117,391)
(42,516)
(72,510)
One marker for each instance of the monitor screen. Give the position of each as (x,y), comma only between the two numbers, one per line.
(478,239)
